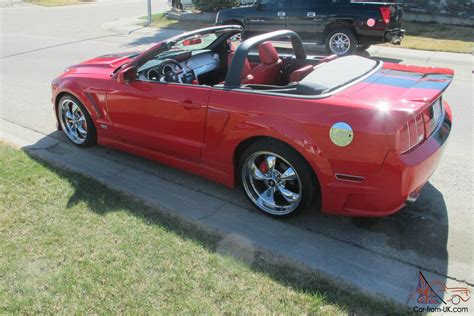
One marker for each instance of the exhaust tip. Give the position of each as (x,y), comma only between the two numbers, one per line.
(413,197)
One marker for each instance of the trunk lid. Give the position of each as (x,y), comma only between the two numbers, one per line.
(405,87)
(416,91)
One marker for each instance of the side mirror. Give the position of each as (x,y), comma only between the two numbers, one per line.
(127,75)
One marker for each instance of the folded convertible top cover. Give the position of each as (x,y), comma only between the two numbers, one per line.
(334,74)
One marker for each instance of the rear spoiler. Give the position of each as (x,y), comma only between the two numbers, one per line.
(434,82)
(418,69)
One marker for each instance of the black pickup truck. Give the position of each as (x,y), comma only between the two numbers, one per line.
(342,25)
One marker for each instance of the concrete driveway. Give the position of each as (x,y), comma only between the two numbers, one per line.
(434,235)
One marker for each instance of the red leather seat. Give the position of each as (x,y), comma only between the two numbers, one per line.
(300,73)
(246,76)
(269,70)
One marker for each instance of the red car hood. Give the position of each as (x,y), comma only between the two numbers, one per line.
(103,65)
(401,87)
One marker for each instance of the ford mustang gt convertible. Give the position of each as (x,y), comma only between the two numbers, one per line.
(355,136)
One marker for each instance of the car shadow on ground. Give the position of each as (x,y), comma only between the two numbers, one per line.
(416,235)
(102,201)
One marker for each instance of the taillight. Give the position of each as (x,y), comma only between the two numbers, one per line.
(432,116)
(411,133)
(385,12)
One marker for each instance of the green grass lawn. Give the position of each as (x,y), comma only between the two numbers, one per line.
(54,3)
(437,37)
(160,20)
(69,244)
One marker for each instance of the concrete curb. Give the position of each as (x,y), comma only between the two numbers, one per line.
(345,264)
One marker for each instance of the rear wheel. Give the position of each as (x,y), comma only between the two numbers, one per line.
(341,41)
(76,122)
(276,179)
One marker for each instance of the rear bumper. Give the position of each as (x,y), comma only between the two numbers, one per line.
(399,180)
(395,36)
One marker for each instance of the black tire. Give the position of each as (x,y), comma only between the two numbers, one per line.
(362,48)
(350,36)
(91,138)
(295,160)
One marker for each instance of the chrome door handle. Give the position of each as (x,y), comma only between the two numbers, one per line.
(311,14)
(281,14)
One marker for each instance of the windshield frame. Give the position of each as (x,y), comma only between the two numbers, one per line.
(168,44)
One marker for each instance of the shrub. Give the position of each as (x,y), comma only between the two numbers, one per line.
(214,5)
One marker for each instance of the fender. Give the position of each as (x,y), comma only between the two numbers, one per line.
(94,100)
(222,151)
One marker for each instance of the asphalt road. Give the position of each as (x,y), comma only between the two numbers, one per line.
(436,233)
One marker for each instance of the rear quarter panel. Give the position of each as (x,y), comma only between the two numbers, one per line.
(304,124)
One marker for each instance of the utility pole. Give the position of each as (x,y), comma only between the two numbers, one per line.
(149,12)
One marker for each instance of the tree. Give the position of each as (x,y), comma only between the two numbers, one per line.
(215,5)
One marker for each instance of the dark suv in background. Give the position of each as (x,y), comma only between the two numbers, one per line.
(341,25)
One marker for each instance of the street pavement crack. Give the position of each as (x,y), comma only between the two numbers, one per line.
(24,126)
(219,208)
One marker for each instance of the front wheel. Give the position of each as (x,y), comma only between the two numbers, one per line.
(341,42)
(276,179)
(76,122)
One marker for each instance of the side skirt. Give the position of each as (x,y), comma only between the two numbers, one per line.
(200,169)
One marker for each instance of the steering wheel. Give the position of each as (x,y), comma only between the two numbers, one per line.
(168,70)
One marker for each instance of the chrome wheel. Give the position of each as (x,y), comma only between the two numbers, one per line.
(340,43)
(73,121)
(271,183)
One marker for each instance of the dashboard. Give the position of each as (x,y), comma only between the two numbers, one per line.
(181,67)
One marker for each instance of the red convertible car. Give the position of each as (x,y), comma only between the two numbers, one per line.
(360,137)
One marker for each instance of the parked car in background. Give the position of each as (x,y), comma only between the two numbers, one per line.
(341,25)
(188,3)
